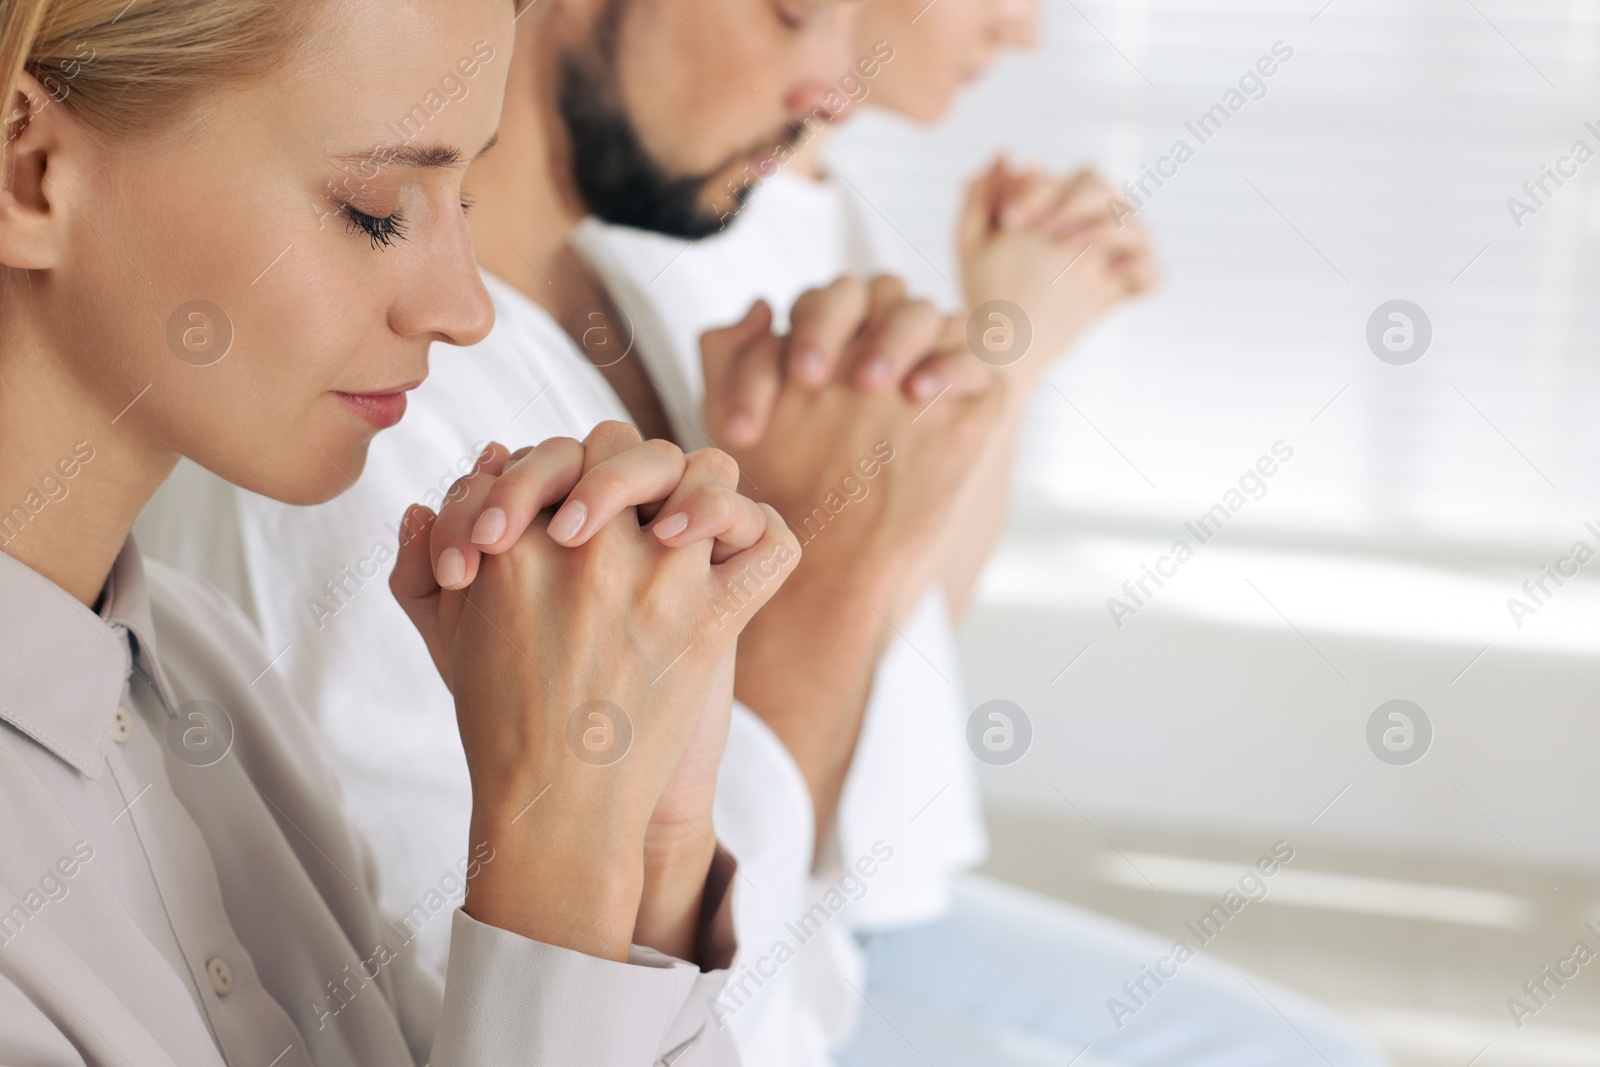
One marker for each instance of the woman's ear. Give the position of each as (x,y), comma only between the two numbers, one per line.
(32,209)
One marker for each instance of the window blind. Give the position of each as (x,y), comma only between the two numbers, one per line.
(1378,162)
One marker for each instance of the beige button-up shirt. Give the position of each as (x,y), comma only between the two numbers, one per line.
(178,884)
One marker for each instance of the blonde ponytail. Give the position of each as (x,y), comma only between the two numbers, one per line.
(126,67)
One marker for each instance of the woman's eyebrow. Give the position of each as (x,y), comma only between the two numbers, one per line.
(410,155)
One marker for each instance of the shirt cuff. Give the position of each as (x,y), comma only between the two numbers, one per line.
(512,1000)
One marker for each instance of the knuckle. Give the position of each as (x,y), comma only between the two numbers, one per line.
(558,445)
(509,567)
(842,299)
(561,453)
(493,456)
(614,433)
(601,577)
(513,487)
(847,285)
(887,287)
(510,575)
(717,465)
(664,451)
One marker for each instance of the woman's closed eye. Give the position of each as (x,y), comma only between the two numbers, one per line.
(383,230)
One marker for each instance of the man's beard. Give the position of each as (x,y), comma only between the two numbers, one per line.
(617,178)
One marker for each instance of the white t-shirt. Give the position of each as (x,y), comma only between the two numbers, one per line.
(311,579)
(911,783)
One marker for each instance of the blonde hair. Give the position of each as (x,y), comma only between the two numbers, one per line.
(124,67)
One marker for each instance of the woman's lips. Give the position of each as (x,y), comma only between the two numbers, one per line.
(383,410)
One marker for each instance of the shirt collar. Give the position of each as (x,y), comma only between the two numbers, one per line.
(63,667)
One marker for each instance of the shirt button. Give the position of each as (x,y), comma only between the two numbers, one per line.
(221,975)
(122,726)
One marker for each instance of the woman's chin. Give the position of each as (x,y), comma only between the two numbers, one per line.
(311,482)
(926,108)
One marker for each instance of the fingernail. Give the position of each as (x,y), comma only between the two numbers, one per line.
(569,520)
(491,526)
(808,363)
(741,425)
(672,525)
(408,524)
(925,387)
(452,567)
(876,372)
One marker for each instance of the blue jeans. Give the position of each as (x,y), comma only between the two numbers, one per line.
(1011,979)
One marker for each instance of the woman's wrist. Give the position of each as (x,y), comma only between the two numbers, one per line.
(677,860)
(568,870)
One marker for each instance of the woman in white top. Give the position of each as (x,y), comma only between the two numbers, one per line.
(213,245)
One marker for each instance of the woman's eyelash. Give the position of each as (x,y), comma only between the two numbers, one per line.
(466,204)
(382,230)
